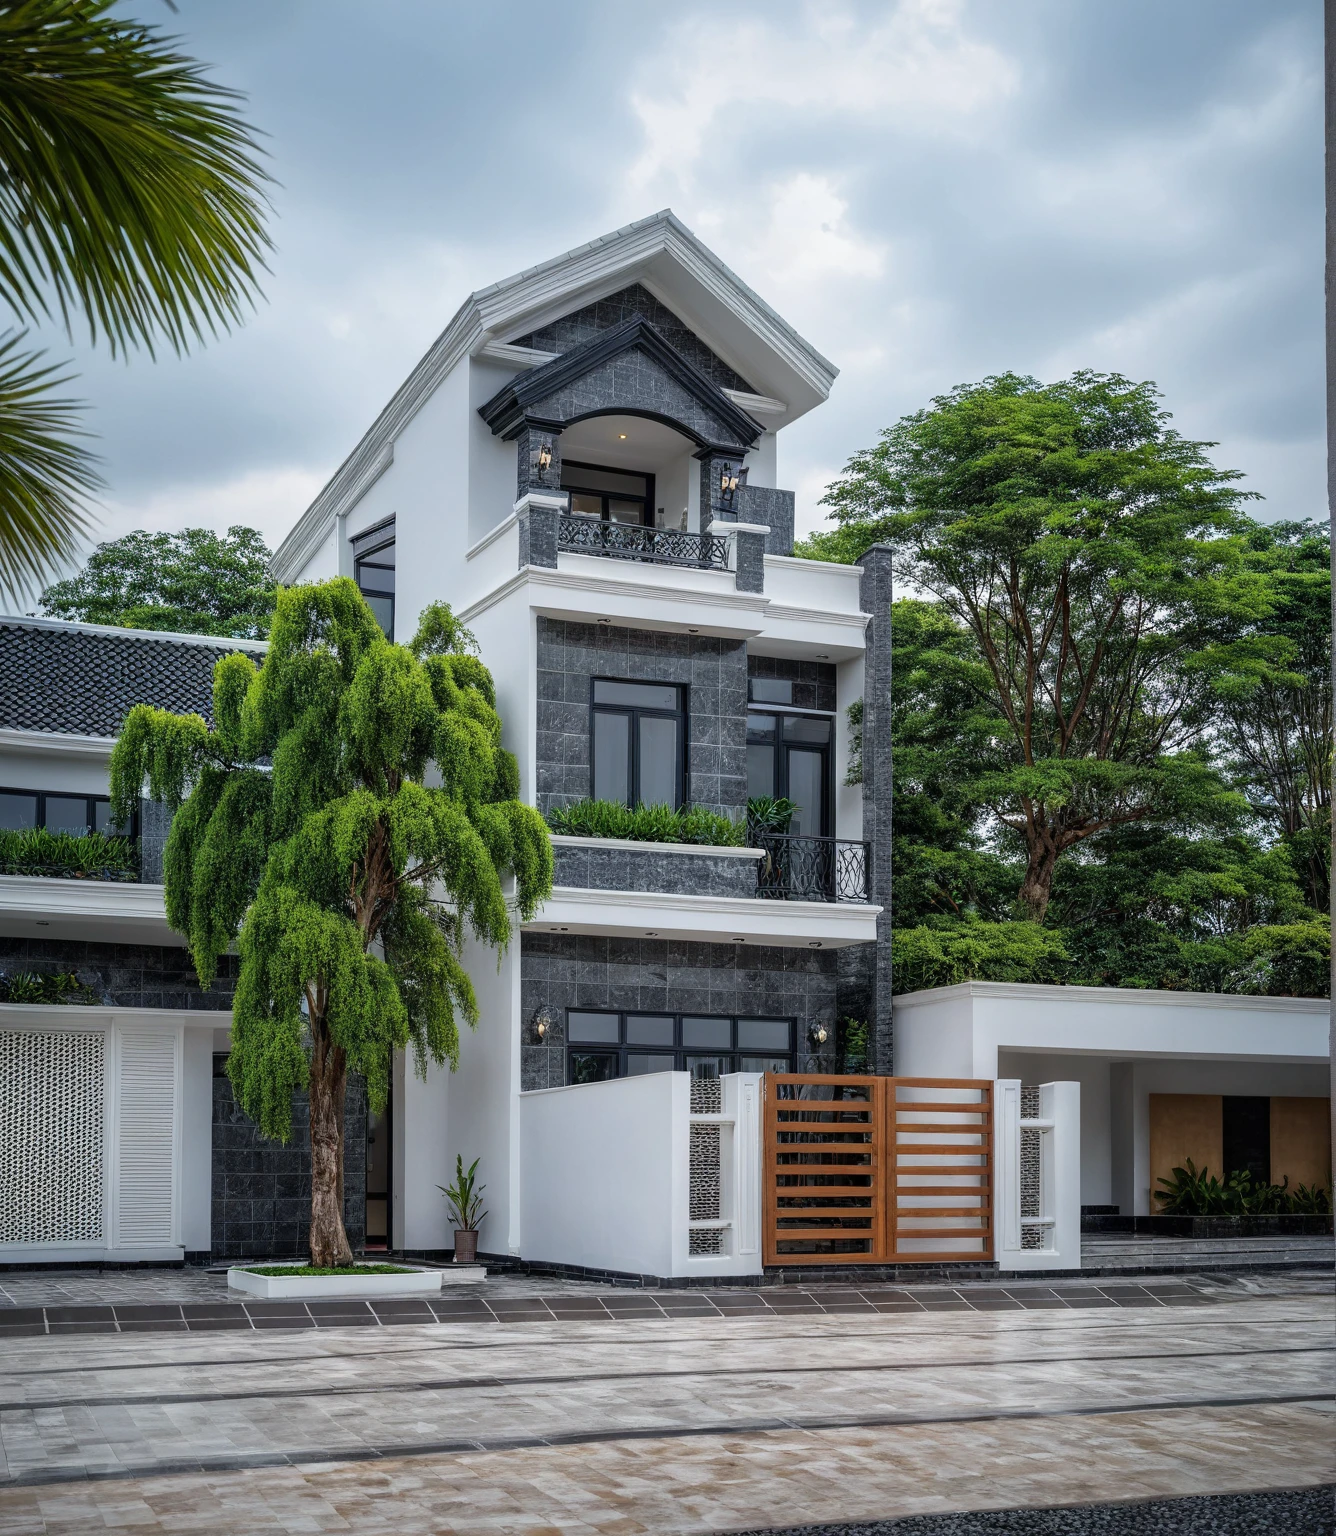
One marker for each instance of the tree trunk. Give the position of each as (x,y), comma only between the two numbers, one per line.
(329,1077)
(1037,886)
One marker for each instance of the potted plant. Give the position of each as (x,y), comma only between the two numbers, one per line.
(464,1197)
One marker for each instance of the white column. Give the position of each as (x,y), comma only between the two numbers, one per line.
(1059,1215)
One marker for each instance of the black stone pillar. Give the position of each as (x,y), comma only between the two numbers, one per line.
(749,564)
(714,505)
(537,517)
(537,440)
(874,595)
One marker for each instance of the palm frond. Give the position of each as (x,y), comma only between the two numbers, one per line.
(129,185)
(46,474)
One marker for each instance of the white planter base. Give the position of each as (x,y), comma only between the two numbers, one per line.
(413,1282)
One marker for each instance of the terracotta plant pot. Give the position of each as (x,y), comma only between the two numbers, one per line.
(466,1247)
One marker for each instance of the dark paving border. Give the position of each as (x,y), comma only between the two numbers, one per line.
(217,1316)
(1276,1512)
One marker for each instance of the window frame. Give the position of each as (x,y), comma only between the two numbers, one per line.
(366,546)
(780,749)
(646,501)
(91,801)
(619,1050)
(681,714)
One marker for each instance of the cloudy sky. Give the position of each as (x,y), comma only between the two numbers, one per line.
(930,190)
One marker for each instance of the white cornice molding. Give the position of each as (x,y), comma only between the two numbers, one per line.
(757,405)
(719,528)
(39,896)
(632,845)
(68,1016)
(796,562)
(747,605)
(1131,997)
(788,613)
(52,741)
(492,535)
(518,357)
(77,626)
(523,300)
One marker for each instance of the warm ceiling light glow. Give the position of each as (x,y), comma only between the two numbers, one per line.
(622,435)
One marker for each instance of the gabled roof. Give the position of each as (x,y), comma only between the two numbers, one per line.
(718,422)
(660,253)
(83,679)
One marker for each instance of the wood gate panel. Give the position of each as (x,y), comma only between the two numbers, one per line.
(875,1170)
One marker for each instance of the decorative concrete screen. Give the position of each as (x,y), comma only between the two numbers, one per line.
(146,1138)
(52,1091)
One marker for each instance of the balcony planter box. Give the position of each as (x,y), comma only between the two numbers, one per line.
(1210,1226)
(410,1282)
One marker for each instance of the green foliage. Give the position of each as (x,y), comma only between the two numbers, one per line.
(195,582)
(853,1045)
(94,856)
(1093,555)
(311,1271)
(130,190)
(947,954)
(645,824)
(464,1196)
(307,834)
(49,987)
(769,814)
(1192,1193)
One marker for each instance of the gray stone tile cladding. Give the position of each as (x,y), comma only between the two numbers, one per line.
(715,671)
(813,681)
(126,975)
(565,971)
(606,314)
(654,868)
(260,1193)
(773,509)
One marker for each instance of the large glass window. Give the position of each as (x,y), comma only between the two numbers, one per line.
(789,755)
(639,743)
(22,809)
(604,1045)
(615,495)
(373,570)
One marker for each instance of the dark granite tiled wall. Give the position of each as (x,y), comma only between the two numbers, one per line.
(606,314)
(652,868)
(875,596)
(570,654)
(579,971)
(261,1190)
(813,681)
(127,975)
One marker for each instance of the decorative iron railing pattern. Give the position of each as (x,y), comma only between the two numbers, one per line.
(813,869)
(625,541)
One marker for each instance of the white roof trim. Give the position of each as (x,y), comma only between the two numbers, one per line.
(53,741)
(77,626)
(525,300)
(1133,997)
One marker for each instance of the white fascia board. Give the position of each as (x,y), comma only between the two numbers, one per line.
(39,906)
(52,741)
(707,919)
(77,626)
(1132,997)
(103,1015)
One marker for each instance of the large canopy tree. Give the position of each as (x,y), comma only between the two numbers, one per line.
(310,827)
(130,191)
(1098,560)
(195,582)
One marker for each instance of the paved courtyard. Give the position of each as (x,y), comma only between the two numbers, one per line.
(621,1416)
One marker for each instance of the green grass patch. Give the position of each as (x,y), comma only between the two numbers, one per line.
(305,1271)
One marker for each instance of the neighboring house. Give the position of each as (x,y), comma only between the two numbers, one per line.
(585,466)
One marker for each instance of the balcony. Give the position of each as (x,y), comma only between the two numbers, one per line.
(41,854)
(813,869)
(577,534)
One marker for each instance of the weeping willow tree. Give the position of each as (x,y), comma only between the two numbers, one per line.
(307,831)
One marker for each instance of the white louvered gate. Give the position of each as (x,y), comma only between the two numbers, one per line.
(147,1096)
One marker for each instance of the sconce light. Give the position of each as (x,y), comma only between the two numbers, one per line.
(544,461)
(543,1020)
(817,1034)
(729,477)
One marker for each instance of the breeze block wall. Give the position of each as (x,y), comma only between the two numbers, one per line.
(571,654)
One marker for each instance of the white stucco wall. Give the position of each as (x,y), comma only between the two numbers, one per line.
(197,1140)
(76,773)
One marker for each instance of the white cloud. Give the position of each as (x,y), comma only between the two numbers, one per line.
(268,499)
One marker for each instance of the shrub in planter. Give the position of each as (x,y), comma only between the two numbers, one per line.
(464,1197)
(1193,1192)
(645,823)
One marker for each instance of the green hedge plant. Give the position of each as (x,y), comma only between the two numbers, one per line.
(646,823)
(1194,1192)
(94,856)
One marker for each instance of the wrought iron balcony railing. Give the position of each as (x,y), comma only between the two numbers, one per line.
(813,869)
(584,535)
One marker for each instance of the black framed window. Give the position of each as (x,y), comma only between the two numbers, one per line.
(637,750)
(790,755)
(601,1045)
(23,809)
(615,495)
(373,570)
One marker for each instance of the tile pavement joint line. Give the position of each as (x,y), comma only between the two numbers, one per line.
(733,1427)
(475,1383)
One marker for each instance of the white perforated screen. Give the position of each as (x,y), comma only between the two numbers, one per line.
(51,1096)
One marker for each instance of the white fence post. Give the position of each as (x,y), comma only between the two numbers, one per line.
(1037,1158)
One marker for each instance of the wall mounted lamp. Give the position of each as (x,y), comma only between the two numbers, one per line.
(544,1019)
(730,476)
(817,1034)
(544,461)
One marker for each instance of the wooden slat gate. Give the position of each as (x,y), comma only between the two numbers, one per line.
(877,1170)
